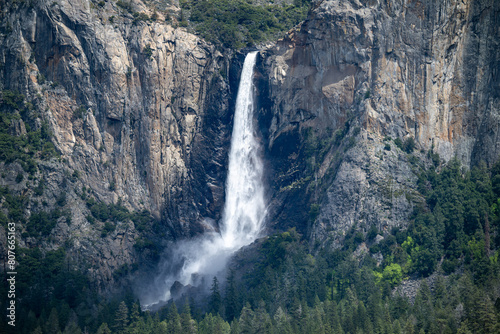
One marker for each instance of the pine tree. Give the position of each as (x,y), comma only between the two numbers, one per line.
(187,323)
(121,317)
(235,327)
(396,327)
(423,308)
(482,316)
(103,329)
(72,324)
(281,320)
(135,313)
(31,321)
(231,298)
(52,324)
(174,320)
(315,321)
(246,320)
(262,321)
(409,325)
(160,328)
(37,330)
(221,326)
(464,328)
(214,324)
(362,318)
(73,328)
(215,302)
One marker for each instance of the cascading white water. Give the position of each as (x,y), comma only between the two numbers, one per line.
(245,207)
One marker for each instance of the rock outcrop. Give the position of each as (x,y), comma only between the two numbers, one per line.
(363,71)
(139,111)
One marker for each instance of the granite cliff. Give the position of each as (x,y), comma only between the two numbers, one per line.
(354,77)
(139,114)
(353,102)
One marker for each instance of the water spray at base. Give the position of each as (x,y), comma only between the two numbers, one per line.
(190,261)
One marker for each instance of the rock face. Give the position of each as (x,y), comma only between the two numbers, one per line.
(358,71)
(140,112)
(139,109)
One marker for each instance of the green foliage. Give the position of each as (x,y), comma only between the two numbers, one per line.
(434,156)
(330,293)
(214,324)
(453,225)
(143,244)
(276,247)
(392,274)
(108,228)
(47,289)
(215,302)
(111,214)
(125,5)
(290,290)
(14,204)
(372,233)
(19,177)
(23,149)
(3,220)
(147,51)
(398,143)
(80,112)
(314,212)
(42,223)
(121,318)
(12,99)
(238,23)
(231,300)
(409,145)
(140,17)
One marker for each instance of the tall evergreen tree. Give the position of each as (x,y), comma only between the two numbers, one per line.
(282,324)
(135,313)
(215,302)
(121,317)
(52,324)
(38,330)
(231,297)
(174,320)
(104,329)
(187,323)
(262,321)
(246,320)
(482,318)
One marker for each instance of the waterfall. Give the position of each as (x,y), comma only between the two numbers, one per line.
(245,207)
(244,210)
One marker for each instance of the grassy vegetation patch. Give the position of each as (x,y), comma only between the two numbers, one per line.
(23,148)
(238,23)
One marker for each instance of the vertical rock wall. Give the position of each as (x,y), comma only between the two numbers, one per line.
(370,69)
(139,109)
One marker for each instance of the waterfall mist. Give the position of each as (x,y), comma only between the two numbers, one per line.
(191,262)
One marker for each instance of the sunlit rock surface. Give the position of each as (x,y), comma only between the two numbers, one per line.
(426,70)
(138,108)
